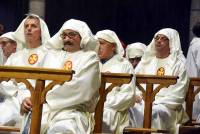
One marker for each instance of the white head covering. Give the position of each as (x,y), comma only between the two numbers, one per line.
(88,42)
(174,44)
(20,36)
(135,50)
(111,37)
(9,35)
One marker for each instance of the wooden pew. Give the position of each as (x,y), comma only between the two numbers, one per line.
(117,79)
(191,126)
(149,96)
(21,74)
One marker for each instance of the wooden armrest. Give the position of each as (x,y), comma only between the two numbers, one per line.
(9,129)
(148,130)
(195,123)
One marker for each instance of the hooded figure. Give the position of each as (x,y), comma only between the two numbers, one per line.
(134,52)
(88,42)
(20,32)
(164,56)
(70,106)
(30,35)
(8,44)
(115,116)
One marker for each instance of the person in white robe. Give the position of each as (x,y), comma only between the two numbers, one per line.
(70,106)
(164,56)
(8,45)
(193,65)
(134,53)
(30,35)
(115,116)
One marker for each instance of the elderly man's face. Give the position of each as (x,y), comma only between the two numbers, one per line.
(32,31)
(71,40)
(162,44)
(8,46)
(106,49)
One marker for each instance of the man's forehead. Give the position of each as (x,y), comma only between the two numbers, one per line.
(69,30)
(32,21)
(161,35)
(104,41)
(5,39)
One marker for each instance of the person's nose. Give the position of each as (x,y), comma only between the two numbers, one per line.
(29,28)
(66,38)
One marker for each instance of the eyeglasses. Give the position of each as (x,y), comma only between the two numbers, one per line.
(70,35)
(162,38)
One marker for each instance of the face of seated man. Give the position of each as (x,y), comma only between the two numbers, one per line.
(106,49)
(162,46)
(8,46)
(71,40)
(32,32)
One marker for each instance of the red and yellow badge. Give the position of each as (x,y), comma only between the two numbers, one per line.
(68,65)
(161,71)
(33,58)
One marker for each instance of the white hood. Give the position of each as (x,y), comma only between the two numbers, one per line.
(20,35)
(135,50)
(88,42)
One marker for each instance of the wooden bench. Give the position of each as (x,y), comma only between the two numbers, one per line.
(21,74)
(191,126)
(149,95)
(117,79)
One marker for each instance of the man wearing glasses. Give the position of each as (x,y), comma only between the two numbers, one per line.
(69,106)
(164,56)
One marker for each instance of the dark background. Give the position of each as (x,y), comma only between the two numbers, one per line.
(132,20)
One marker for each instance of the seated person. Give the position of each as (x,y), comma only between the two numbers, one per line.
(70,106)
(30,35)
(164,56)
(8,44)
(134,53)
(115,116)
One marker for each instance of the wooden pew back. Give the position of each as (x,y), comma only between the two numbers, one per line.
(117,79)
(193,90)
(149,95)
(21,74)
(191,126)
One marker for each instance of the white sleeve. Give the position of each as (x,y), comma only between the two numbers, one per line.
(83,86)
(121,98)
